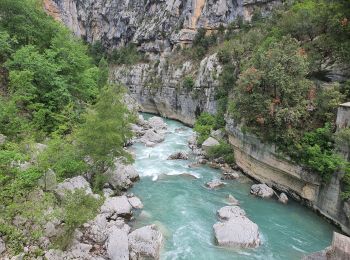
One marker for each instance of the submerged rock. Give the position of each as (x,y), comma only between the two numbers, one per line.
(261,190)
(145,243)
(215,184)
(236,230)
(210,142)
(232,200)
(283,198)
(178,156)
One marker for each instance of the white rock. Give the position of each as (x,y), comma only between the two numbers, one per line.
(232,200)
(228,212)
(145,243)
(210,142)
(237,232)
(283,198)
(152,136)
(117,205)
(117,245)
(135,202)
(215,184)
(178,156)
(122,175)
(261,190)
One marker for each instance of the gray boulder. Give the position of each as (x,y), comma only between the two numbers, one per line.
(152,136)
(135,202)
(145,243)
(117,205)
(2,139)
(157,123)
(117,245)
(229,175)
(122,176)
(137,130)
(261,190)
(178,156)
(48,181)
(210,142)
(217,134)
(235,229)
(73,184)
(2,246)
(283,198)
(215,184)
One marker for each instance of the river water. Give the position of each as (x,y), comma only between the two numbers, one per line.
(185,210)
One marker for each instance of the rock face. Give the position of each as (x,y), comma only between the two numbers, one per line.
(145,243)
(235,229)
(210,142)
(261,190)
(154,26)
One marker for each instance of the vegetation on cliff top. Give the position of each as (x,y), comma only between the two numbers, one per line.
(51,91)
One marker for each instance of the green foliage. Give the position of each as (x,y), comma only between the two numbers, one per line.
(188,83)
(126,55)
(106,128)
(223,150)
(78,209)
(63,158)
(205,123)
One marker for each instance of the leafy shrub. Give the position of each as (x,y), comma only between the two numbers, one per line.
(188,83)
(205,123)
(126,55)
(223,150)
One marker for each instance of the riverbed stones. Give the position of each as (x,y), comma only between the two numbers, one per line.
(145,243)
(117,205)
(283,198)
(214,184)
(73,184)
(117,245)
(210,142)
(235,229)
(261,190)
(178,156)
(2,246)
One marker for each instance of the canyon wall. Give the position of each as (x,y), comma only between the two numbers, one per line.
(158,28)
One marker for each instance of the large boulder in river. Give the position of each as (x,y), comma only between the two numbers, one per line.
(152,136)
(117,205)
(145,243)
(122,175)
(236,230)
(117,245)
(157,123)
(210,142)
(214,184)
(178,156)
(261,190)
(73,184)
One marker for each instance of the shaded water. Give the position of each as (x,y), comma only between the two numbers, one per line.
(185,210)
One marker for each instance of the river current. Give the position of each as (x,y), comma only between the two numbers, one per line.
(185,210)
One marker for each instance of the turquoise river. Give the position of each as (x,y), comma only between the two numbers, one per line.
(185,210)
